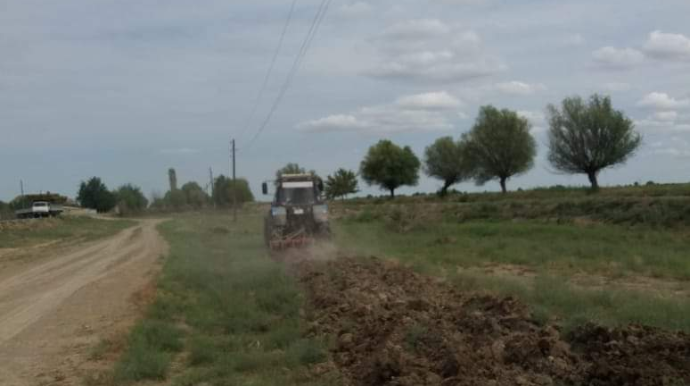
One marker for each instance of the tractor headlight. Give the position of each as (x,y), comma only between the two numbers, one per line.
(321,213)
(279,215)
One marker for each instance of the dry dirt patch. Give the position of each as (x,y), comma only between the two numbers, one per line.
(54,311)
(396,327)
(666,287)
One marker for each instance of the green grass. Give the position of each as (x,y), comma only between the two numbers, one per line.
(552,298)
(151,347)
(661,206)
(666,212)
(48,230)
(566,248)
(554,252)
(232,310)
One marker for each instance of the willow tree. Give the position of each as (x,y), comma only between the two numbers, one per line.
(588,137)
(390,166)
(499,146)
(444,160)
(341,183)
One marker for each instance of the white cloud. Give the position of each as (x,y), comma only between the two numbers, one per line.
(662,124)
(662,45)
(617,58)
(519,88)
(356,9)
(179,151)
(574,40)
(651,124)
(446,71)
(422,112)
(617,86)
(536,118)
(662,101)
(464,2)
(666,116)
(431,50)
(429,101)
(674,152)
(417,29)
(334,123)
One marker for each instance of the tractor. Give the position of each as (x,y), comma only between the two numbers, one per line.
(298,214)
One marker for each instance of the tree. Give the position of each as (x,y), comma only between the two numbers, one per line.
(157,200)
(129,198)
(175,199)
(195,196)
(172,179)
(20,202)
(224,189)
(93,194)
(588,137)
(294,168)
(291,168)
(5,211)
(341,183)
(499,146)
(390,166)
(446,161)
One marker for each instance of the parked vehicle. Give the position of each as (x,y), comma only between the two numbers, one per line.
(40,209)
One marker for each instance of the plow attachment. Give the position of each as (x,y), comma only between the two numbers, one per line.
(297,240)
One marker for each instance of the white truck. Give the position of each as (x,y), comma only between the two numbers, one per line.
(39,209)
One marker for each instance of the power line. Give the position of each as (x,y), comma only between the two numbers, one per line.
(270,69)
(316,23)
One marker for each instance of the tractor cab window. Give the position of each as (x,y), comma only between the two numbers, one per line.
(296,196)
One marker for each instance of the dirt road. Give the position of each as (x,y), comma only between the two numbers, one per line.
(55,308)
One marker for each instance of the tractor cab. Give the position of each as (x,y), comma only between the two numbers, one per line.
(298,212)
(296,190)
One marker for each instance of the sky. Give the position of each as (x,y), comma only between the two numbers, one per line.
(125,89)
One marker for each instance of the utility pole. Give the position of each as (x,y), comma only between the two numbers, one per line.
(234,184)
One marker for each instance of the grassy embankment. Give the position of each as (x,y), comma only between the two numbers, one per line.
(660,206)
(562,261)
(225,313)
(59,229)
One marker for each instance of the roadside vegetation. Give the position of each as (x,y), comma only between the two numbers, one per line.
(341,184)
(225,313)
(221,194)
(651,205)
(71,229)
(6,211)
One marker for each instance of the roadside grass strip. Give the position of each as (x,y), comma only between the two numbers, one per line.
(225,313)
(33,232)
